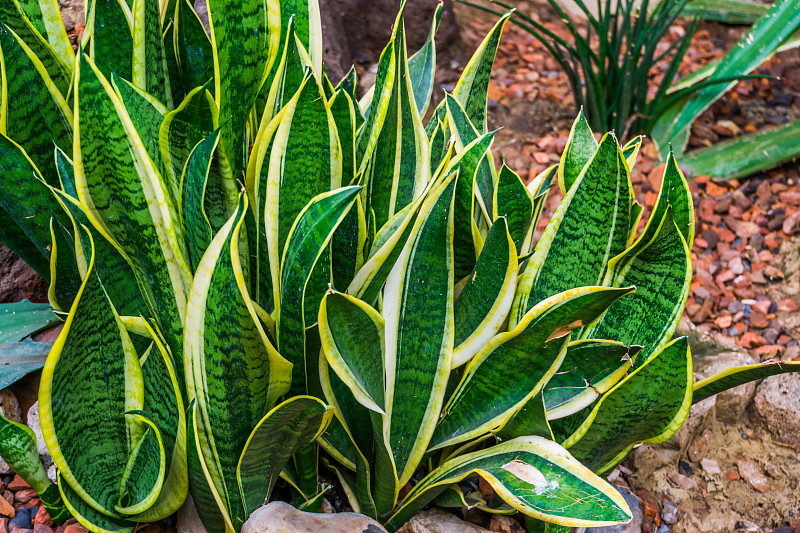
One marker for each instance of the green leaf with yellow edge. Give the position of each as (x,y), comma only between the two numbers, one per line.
(492,388)
(311,233)
(149,65)
(35,115)
(292,425)
(45,17)
(88,516)
(661,270)
(579,150)
(234,374)
(513,201)
(739,375)
(589,228)
(649,405)
(193,49)
(110,36)
(422,66)
(145,226)
(194,183)
(419,329)
(535,476)
(482,306)
(530,419)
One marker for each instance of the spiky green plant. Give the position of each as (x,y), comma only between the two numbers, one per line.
(222,194)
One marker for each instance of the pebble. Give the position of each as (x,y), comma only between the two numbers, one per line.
(25,495)
(17,484)
(700,446)
(6,509)
(747,525)
(669,513)
(710,466)
(682,481)
(751,473)
(75,528)
(664,529)
(41,528)
(23,519)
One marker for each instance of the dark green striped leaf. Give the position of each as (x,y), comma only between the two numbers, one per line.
(149,65)
(289,427)
(193,48)
(193,195)
(661,270)
(418,309)
(88,516)
(529,420)
(579,150)
(45,17)
(422,66)
(111,38)
(35,114)
(513,201)
(308,240)
(482,306)
(589,228)
(739,375)
(649,405)
(535,476)
(343,111)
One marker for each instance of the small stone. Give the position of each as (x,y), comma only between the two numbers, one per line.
(710,466)
(772,471)
(791,224)
(505,524)
(787,305)
(18,484)
(663,528)
(281,517)
(686,483)
(732,475)
(41,528)
(23,519)
(42,517)
(25,495)
(747,525)
(6,509)
(669,512)
(3,525)
(75,528)
(700,446)
(751,473)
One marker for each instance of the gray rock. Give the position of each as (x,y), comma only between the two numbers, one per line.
(44,453)
(669,513)
(280,517)
(777,406)
(9,407)
(634,526)
(438,521)
(188,519)
(663,528)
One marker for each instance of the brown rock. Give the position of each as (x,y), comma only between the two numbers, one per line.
(3,525)
(650,510)
(41,528)
(505,524)
(280,517)
(18,484)
(710,466)
(684,482)
(25,495)
(43,517)
(700,446)
(751,473)
(791,224)
(75,528)
(776,406)
(6,509)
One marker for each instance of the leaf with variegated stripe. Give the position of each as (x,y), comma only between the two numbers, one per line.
(308,240)
(149,65)
(418,309)
(145,226)
(482,306)
(649,405)
(233,373)
(45,17)
(88,516)
(535,476)
(33,113)
(530,419)
(513,201)
(631,150)
(661,270)
(579,150)
(193,194)
(589,228)
(290,426)
(422,65)
(492,387)
(193,48)
(739,375)
(111,38)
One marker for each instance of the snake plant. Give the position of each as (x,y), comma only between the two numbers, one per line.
(256,270)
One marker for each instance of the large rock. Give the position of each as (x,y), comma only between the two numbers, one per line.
(634,526)
(439,521)
(280,517)
(44,453)
(777,406)
(9,408)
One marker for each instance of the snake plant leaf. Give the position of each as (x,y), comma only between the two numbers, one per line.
(492,388)
(347,482)
(422,66)
(395,171)
(143,477)
(631,150)
(164,403)
(37,116)
(65,278)
(14,18)
(485,173)
(352,336)
(482,306)
(89,439)
(308,26)
(193,198)
(45,17)
(146,227)
(661,270)
(12,236)
(755,46)
(88,516)
(191,122)
(147,115)
(513,201)
(530,419)
(467,240)
(242,48)
(26,198)
(590,369)
(348,245)
(232,373)
(195,55)
(149,65)
(419,329)
(649,405)
(376,114)
(308,240)
(207,500)
(291,67)
(739,375)
(111,44)
(568,255)
(177,84)
(305,161)
(343,111)
(579,150)
(290,426)
(336,442)
(472,87)
(535,476)
(22,319)
(18,449)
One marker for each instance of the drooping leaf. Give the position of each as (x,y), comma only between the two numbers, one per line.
(739,375)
